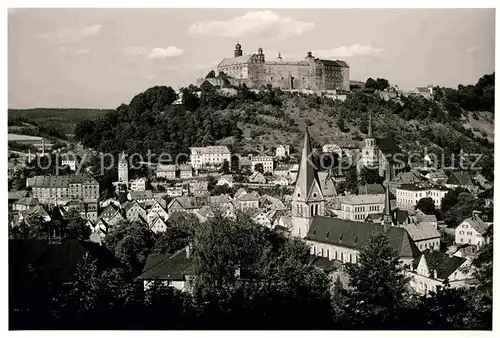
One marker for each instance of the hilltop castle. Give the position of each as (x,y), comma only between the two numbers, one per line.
(310,74)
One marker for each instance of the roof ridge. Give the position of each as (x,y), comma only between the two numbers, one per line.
(164,260)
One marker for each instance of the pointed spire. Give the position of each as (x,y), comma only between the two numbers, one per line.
(307,171)
(370,132)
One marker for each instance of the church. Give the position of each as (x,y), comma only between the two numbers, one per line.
(309,74)
(381,153)
(331,237)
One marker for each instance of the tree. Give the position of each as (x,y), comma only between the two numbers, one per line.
(131,242)
(259,167)
(369,176)
(379,288)
(225,167)
(426,205)
(351,179)
(341,124)
(178,234)
(382,84)
(371,84)
(76,226)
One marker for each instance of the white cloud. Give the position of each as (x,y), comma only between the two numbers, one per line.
(71,34)
(155,53)
(82,51)
(163,53)
(347,51)
(252,23)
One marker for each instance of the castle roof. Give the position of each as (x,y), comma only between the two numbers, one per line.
(236,60)
(335,63)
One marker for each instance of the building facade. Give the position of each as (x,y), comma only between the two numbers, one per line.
(472,231)
(123,169)
(408,195)
(266,161)
(209,156)
(309,74)
(61,189)
(358,207)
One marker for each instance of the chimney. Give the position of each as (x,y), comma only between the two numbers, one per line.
(188,250)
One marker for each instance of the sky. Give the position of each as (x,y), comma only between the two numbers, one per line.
(101,58)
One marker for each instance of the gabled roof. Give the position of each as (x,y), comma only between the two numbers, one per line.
(357,234)
(406,178)
(236,60)
(28,201)
(422,231)
(421,217)
(477,223)
(37,210)
(224,198)
(136,195)
(17,194)
(253,196)
(167,267)
(110,209)
(459,178)
(362,199)
(443,264)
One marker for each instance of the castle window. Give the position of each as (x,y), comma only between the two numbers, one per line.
(282,78)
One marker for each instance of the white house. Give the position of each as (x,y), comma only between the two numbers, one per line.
(472,231)
(209,156)
(166,171)
(432,268)
(425,235)
(138,184)
(186,171)
(408,195)
(257,177)
(158,225)
(282,151)
(69,160)
(358,207)
(155,211)
(332,148)
(226,179)
(266,161)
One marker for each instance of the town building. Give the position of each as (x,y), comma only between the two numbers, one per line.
(358,207)
(167,171)
(158,225)
(266,161)
(198,188)
(310,74)
(139,184)
(123,169)
(472,231)
(282,151)
(69,160)
(381,153)
(225,180)
(333,149)
(425,235)
(248,201)
(186,171)
(408,195)
(61,189)
(25,203)
(135,211)
(210,156)
(257,177)
(460,179)
(156,210)
(433,268)
(184,204)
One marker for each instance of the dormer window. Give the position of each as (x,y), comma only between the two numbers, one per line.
(315,195)
(341,236)
(327,234)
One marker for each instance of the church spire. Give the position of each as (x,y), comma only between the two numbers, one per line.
(370,132)
(307,172)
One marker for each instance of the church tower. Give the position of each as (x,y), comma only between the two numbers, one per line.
(307,200)
(261,55)
(370,150)
(123,169)
(237,50)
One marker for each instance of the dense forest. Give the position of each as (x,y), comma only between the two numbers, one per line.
(207,116)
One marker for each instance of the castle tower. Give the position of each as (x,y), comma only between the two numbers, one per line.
(279,57)
(237,50)
(261,55)
(123,169)
(370,150)
(307,200)
(386,218)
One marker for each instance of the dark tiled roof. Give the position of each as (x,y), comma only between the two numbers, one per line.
(399,216)
(169,267)
(17,194)
(29,201)
(460,178)
(370,189)
(335,63)
(441,262)
(358,234)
